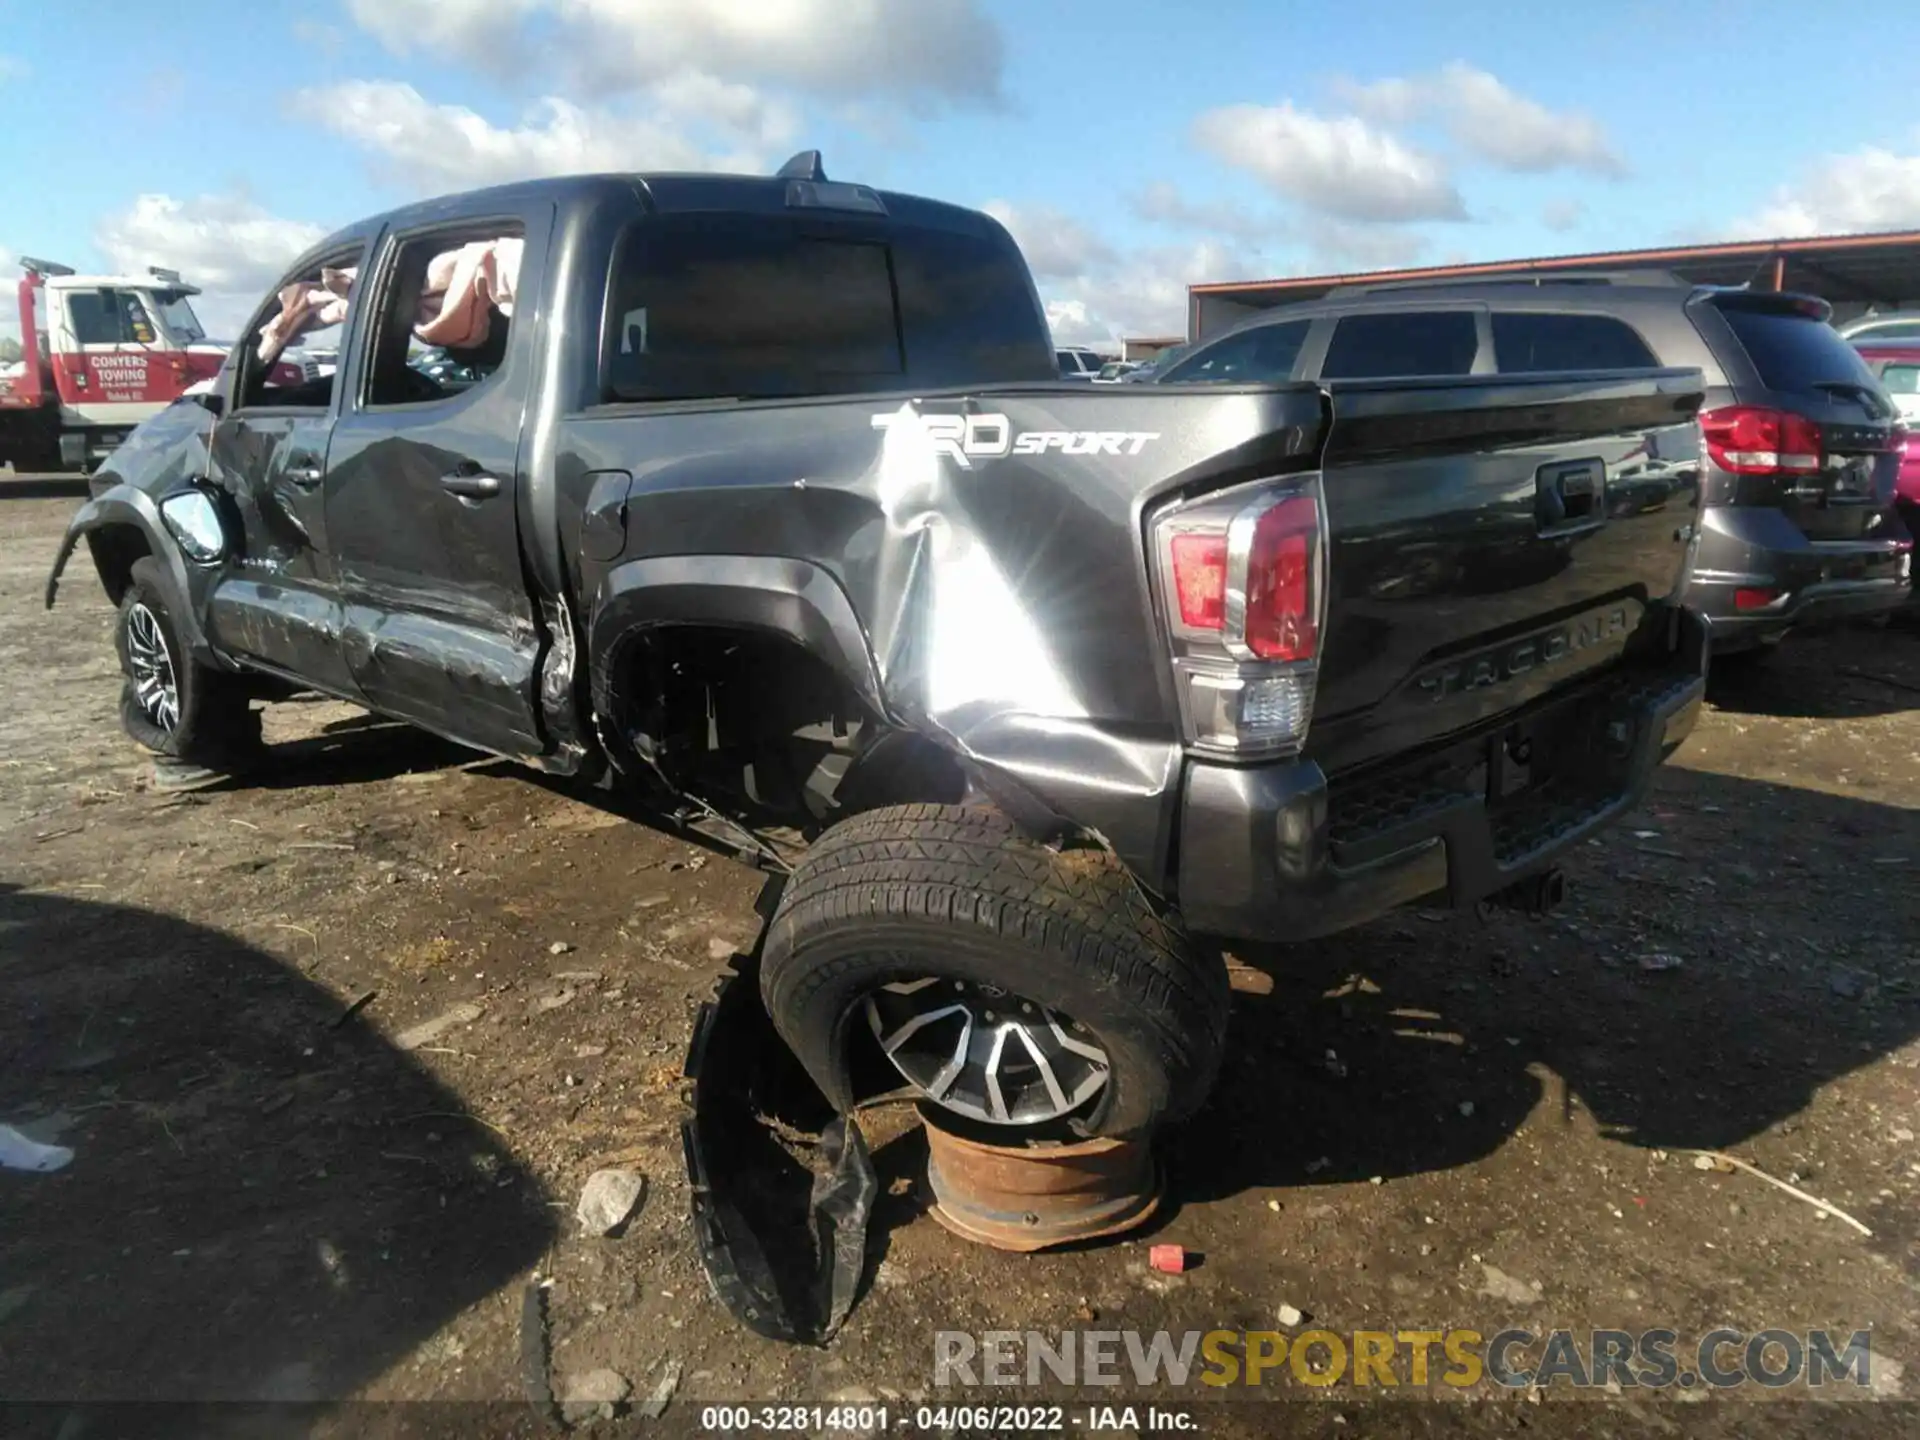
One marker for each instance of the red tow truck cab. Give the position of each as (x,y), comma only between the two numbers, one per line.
(98,354)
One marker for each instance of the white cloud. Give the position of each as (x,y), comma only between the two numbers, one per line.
(1869,189)
(435,147)
(947,49)
(228,245)
(1490,120)
(481,32)
(1098,293)
(1143,292)
(1057,246)
(1163,203)
(1561,215)
(1341,167)
(1341,246)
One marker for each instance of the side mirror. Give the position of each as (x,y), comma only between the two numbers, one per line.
(211,401)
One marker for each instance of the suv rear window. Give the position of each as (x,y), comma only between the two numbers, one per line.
(1795,352)
(1408,342)
(1532,342)
(712,306)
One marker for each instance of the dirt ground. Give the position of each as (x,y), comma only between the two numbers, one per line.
(1434,1121)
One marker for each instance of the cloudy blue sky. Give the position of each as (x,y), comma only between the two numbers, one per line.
(1133,146)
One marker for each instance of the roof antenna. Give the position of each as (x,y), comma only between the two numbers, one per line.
(804,166)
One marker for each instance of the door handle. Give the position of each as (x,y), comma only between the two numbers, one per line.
(470,484)
(305,476)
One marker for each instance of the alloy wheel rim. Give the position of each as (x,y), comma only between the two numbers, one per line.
(150,666)
(986,1053)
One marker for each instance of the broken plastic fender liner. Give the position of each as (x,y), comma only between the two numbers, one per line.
(784,1247)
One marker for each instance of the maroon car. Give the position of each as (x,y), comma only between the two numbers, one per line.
(1897,366)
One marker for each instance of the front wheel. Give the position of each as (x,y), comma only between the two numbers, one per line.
(169,704)
(1005,982)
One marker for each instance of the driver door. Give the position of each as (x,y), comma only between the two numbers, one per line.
(277,606)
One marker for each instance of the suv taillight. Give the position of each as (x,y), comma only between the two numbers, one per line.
(1753,440)
(1241,577)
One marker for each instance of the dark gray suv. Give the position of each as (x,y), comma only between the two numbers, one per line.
(1802,446)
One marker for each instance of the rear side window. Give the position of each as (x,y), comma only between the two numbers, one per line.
(1798,353)
(968,311)
(1262,354)
(1901,379)
(1534,343)
(704,306)
(1412,342)
(713,306)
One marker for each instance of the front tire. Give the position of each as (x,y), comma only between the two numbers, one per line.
(1009,983)
(169,704)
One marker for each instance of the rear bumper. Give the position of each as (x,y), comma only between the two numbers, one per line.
(1812,581)
(1278,852)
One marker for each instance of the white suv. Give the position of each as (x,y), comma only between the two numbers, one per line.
(1078,363)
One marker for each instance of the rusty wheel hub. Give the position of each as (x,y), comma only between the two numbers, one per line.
(1032,1197)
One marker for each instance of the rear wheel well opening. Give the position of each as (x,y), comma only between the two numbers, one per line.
(115,548)
(763,729)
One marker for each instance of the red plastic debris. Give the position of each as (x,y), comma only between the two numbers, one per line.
(1168,1259)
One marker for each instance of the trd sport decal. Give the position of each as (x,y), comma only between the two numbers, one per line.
(964,439)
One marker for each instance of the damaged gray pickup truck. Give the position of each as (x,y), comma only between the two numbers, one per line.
(760,498)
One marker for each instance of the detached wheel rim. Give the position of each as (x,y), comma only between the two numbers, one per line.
(986,1053)
(155,686)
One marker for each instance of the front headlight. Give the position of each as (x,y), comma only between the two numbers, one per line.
(194,521)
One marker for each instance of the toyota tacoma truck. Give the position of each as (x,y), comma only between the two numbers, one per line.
(761,498)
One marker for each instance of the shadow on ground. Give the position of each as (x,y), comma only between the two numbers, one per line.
(1849,673)
(266,1202)
(1697,996)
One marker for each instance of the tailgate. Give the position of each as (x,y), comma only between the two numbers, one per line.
(1491,540)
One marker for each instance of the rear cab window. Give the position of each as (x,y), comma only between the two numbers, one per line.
(717,306)
(1402,343)
(1530,342)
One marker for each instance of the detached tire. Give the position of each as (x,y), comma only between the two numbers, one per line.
(952,903)
(169,704)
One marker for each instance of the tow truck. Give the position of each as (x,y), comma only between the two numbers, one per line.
(98,354)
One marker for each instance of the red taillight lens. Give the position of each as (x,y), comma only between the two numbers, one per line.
(1744,599)
(1282,621)
(1752,440)
(1200,580)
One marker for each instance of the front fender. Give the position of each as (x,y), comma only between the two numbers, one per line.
(753,592)
(125,507)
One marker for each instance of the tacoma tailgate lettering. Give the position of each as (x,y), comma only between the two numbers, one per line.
(1514,658)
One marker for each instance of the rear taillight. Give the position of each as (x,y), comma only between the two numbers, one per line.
(1241,582)
(1200,580)
(1753,440)
(1281,621)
